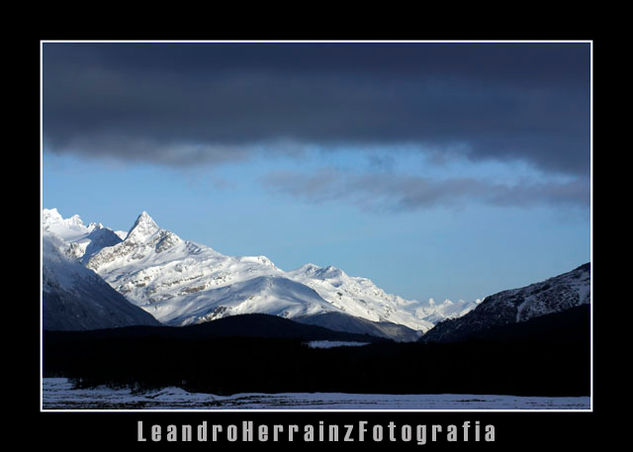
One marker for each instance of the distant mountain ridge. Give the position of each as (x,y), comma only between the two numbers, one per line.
(557,294)
(182,282)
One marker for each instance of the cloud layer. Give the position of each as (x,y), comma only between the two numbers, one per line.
(187,104)
(383,191)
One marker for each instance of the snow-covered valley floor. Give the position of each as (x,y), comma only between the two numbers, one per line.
(58,394)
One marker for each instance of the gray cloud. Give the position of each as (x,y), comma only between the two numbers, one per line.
(384,191)
(186,104)
(136,148)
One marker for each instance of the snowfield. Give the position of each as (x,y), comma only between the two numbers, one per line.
(59,395)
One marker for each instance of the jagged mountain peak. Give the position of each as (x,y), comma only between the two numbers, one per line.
(76,219)
(143,227)
(332,270)
(53,216)
(52,221)
(95,226)
(309,267)
(312,270)
(49,215)
(81,241)
(144,217)
(143,242)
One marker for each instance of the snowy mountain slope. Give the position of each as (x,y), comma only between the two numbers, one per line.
(75,298)
(273,295)
(181,282)
(556,294)
(359,297)
(81,242)
(186,283)
(434,312)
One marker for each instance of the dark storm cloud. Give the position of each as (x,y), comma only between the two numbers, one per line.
(382,191)
(191,103)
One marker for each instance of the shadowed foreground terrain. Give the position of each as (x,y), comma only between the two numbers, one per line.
(548,356)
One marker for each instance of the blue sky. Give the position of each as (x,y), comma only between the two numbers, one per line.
(447,173)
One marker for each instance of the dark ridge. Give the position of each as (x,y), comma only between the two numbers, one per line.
(584,267)
(246,325)
(503,308)
(560,327)
(339,321)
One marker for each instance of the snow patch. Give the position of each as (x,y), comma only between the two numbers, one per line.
(58,394)
(332,344)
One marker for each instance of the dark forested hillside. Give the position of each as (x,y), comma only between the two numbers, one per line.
(528,364)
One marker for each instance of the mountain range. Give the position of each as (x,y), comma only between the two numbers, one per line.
(151,270)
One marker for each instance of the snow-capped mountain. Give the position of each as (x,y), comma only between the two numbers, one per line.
(76,298)
(434,312)
(359,297)
(182,282)
(81,242)
(553,295)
